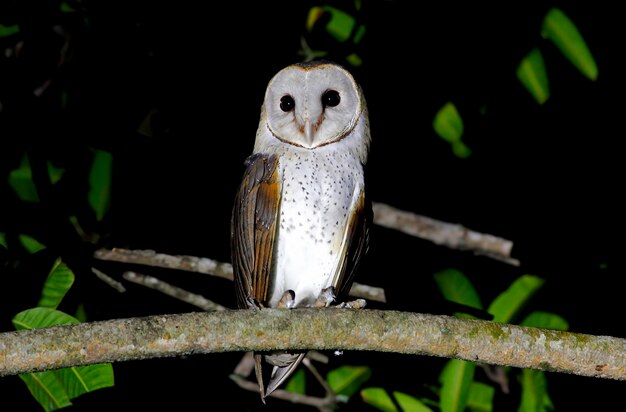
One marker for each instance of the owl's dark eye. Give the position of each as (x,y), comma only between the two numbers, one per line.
(330,98)
(287,103)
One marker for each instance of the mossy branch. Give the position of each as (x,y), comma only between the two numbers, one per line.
(269,329)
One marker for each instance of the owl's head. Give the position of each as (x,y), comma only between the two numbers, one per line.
(312,104)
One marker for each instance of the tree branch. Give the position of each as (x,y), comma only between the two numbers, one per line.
(151,258)
(322,404)
(108,280)
(207,266)
(329,329)
(245,367)
(442,233)
(174,291)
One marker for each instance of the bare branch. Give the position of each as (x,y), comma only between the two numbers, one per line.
(276,329)
(497,374)
(208,267)
(442,233)
(152,258)
(246,365)
(322,404)
(109,280)
(329,391)
(317,357)
(367,292)
(174,291)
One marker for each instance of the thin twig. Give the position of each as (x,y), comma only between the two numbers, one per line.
(174,291)
(322,404)
(109,280)
(329,391)
(207,266)
(367,292)
(497,374)
(446,234)
(317,356)
(245,366)
(152,258)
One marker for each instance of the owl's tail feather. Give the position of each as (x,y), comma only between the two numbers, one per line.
(280,374)
(258,369)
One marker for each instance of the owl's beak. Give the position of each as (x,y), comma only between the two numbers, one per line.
(308,131)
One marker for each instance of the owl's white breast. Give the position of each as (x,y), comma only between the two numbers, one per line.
(319,190)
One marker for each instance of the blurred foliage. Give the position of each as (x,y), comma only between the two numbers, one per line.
(565,35)
(459,390)
(532,73)
(449,126)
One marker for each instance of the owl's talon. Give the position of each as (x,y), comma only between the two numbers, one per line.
(288,300)
(325,298)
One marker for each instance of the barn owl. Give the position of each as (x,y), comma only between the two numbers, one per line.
(300,220)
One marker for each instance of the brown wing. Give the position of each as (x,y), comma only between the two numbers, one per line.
(355,245)
(253,228)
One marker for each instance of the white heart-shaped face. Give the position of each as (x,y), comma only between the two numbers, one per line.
(311,105)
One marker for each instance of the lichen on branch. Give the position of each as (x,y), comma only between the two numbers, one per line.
(274,329)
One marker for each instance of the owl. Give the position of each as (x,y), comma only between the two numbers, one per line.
(300,222)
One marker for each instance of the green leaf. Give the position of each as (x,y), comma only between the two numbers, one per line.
(346,380)
(340,25)
(409,403)
(456,378)
(8,30)
(297,382)
(21,181)
(47,389)
(314,15)
(379,399)
(55,173)
(545,320)
(448,123)
(354,59)
(41,318)
(535,396)
(532,73)
(456,287)
(57,284)
(480,397)
(3,239)
(82,379)
(100,183)
(66,8)
(461,150)
(506,306)
(54,389)
(563,33)
(81,313)
(358,36)
(32,245)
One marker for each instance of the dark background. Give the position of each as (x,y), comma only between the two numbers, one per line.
(549,177)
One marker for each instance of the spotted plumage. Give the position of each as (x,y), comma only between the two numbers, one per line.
(300,220)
